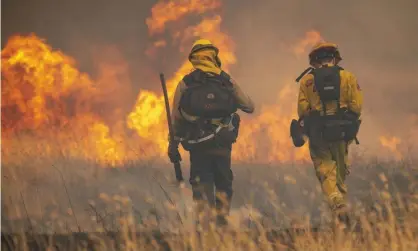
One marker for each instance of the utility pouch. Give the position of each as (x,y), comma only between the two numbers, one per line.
(351,130)
(333,128)
(222,135)
(297,132)
(343,126)
(229,134)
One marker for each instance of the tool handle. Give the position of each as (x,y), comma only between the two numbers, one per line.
(177,166)
(167,107)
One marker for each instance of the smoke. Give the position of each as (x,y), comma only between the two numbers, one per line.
(377,39)
(378,42)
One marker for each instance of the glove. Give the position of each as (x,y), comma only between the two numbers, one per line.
(173,153)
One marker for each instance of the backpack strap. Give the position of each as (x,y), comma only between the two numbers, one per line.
(188,79)
(225,76)
(199,76)
(226,80)
(306,71)
(339,88)
(193,78)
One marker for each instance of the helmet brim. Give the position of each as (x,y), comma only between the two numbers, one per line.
(324,51)
(201,47)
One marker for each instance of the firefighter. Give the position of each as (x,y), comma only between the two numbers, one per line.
(329,105)
(205,122)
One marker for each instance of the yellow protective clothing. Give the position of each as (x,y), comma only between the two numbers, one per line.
(351,96)
(200,59)
(205,60)
(330,159)
(331,166)
(210,168)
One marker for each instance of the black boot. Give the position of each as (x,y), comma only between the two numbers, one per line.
(221,221)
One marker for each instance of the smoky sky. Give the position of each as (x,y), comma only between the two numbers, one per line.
(378,40)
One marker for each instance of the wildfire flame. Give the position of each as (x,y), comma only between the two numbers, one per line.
(42,91)
(391,143)
(272,124)
(265,138)
(45,94)
(37,82)
(311,38)
(148,116)
(166,11)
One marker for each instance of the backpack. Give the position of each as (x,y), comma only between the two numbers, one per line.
(344,125)
(208,96)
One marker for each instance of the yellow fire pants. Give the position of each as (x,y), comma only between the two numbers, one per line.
(331,165)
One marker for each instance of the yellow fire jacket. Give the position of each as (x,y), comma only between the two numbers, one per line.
(351,95)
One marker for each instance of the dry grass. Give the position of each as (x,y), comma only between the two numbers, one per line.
(45,200)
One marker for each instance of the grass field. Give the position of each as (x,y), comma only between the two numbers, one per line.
(58,202)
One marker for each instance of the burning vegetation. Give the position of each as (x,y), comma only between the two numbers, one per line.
(45,95)
(56,117)
(48,101)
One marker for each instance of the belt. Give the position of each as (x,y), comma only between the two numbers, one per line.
(222,123)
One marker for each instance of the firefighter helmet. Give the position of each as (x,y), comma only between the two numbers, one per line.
(202,44)
(324,50)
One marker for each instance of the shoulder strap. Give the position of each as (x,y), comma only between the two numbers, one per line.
(226,79)
(225,76)
(187,79)
(198,76)
(306,71)
(194,77)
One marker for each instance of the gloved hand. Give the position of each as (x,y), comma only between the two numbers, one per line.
(173,153)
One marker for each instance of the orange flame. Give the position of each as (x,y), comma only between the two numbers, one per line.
(311,38)
(36,82)
(164,12)
(42,90)
(266,138)
(392,144)
(148,116)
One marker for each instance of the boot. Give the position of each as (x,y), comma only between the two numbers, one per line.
(343,217)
